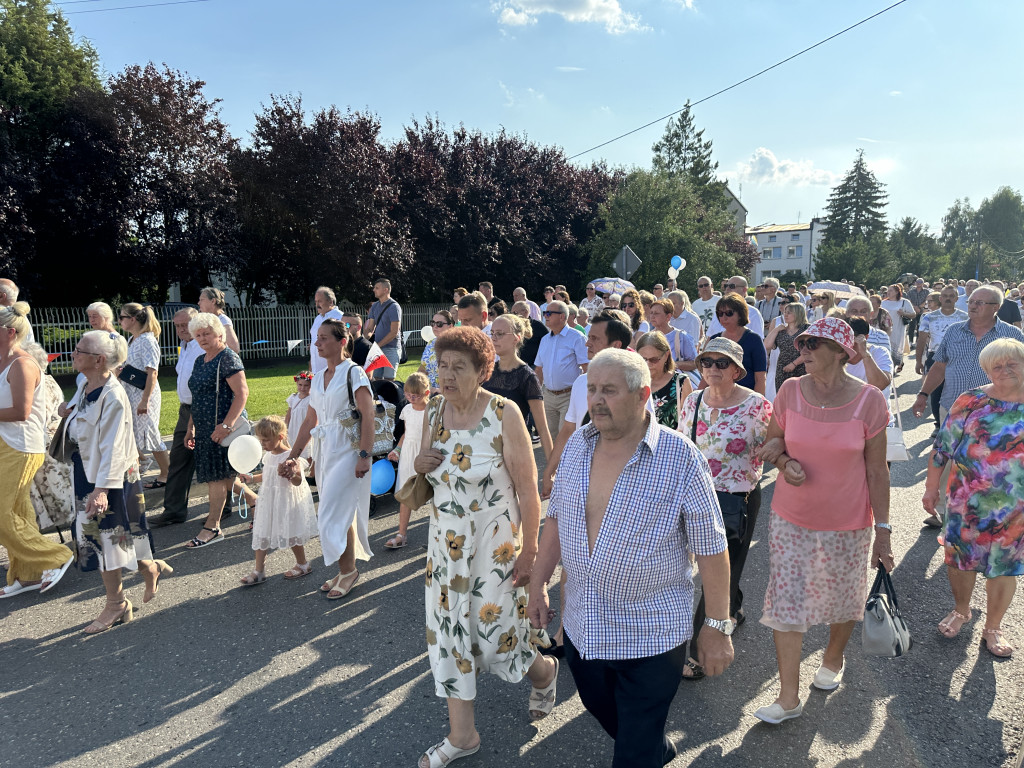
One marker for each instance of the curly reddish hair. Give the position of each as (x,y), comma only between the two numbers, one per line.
(471,342)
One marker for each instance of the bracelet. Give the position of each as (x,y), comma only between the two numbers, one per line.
(923,393)
(884,527)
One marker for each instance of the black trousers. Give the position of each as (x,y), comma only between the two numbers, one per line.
(738,549)
(936,396)
(912,328)
(182,467)
(631,696)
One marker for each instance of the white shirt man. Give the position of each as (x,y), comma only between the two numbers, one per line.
(755,322)
(561,357)
(704,306)
(519,294)
(325,308)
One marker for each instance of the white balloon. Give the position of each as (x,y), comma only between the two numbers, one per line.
(245,453)
(427,333)
(673,272)
(683,265)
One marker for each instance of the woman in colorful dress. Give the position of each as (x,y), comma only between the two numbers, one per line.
(984,528)
(482,542)
(144,356)
(440,322)
(669,386)
(782,337)
(729,423)
(110,525)
(342,464)
(827,438)
(219,392)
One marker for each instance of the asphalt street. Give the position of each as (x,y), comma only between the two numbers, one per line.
(215,675)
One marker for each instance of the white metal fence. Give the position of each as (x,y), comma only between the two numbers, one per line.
(264,332)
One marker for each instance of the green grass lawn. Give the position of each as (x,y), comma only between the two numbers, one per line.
(269,386)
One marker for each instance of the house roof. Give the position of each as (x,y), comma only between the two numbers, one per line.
(736,199)
(777,228)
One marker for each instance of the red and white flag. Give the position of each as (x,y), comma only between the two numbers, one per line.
(375,359)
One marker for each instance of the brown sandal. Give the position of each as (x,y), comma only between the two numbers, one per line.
(946,627)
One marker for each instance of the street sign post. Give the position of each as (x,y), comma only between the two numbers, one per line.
(626,263)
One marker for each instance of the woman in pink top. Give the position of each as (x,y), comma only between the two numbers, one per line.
(827,437)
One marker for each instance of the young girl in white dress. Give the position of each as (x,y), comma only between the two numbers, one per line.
(298,405)
(417,392)
(287,517)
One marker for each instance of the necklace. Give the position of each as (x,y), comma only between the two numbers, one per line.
(823,404)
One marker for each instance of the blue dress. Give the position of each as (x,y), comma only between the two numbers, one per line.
(211,458)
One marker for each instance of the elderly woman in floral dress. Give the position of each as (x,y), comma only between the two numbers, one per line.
(477,455)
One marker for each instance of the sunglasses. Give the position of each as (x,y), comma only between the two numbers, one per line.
(625,304)
(703,285)
(721,363)
(550,312)
(729,286)
(439,324)
(725,313)
(811,343)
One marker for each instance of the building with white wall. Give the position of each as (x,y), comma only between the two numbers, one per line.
(786,247)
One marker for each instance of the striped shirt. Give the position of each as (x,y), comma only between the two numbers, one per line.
(959,350)
(633,596)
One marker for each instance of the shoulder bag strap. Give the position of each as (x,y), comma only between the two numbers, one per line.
(696,411)
(216,396)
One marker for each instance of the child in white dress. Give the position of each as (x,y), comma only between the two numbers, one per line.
(298,405)
(287,517)
(417,392)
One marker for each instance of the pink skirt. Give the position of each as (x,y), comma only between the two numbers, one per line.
(814,577)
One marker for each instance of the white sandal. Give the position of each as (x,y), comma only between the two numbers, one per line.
(542,700)
(443,753)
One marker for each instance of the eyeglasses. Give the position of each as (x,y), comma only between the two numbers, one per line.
(439,324)
(501,334)
(550,312)
(979,302)
(721,363)
(124,317)
(77,351)
(729,286)
(810,343)
(412,397)
(703,285)
(724,313)
(655,359)
(626,304)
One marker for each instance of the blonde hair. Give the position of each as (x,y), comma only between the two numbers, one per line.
(520,326)
(271,426)
(1001,351)
(15,316)
(657,340)
(216,295)
(417,383)
(111,346)
(143,316)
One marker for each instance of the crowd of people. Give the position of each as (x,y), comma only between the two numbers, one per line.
(657,418)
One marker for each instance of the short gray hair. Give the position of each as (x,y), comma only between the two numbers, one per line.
(102,309)
(9,289)
(206,320)
(772,281)
(681,295)
(38,354)
(990,289)
(328,292)
(633,367)
(112,346)
(188,312)
(559,306)
(1000,351)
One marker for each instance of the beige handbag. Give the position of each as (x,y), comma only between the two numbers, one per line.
(417,490)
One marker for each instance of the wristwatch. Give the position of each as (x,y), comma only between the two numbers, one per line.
(886,526)
(364,454)
(725,626)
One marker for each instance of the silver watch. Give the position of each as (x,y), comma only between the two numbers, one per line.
(886,526)
(725,626)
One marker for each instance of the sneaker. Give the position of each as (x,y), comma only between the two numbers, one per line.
(775,714)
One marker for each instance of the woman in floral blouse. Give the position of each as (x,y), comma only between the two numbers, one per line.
(440,322)
(731,421)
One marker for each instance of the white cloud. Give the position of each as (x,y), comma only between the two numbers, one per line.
(895,93)
(869,141)
(570,69)
(766,169)
(616,21)
(512,99)
(687,4)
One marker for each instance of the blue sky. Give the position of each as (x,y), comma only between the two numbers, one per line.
(929,89)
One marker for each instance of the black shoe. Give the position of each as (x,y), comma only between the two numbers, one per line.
(161,521)
(739,617)
(554,650)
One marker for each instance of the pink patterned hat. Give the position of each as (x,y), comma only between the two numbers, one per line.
(835,330)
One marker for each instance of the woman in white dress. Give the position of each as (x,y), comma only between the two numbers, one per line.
(342,470)
(144,393)
(902,312)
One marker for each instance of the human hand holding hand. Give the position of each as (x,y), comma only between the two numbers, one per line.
(794,473)
(770,450)
(524,565)
(538,609)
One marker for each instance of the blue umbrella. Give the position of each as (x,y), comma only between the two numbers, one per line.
(608,285)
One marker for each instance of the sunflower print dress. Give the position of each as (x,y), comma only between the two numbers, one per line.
(476,619)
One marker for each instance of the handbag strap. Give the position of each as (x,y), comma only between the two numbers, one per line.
(216,395)
(696,410)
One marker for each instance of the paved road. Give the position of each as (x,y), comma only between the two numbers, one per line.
(213,675)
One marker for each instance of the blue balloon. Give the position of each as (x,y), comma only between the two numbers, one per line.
(382,477)
(677,262)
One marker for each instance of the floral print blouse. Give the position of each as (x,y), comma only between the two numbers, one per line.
(728,441)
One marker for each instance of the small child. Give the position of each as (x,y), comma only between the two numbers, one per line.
(417,392)
(286,518)
(298,405)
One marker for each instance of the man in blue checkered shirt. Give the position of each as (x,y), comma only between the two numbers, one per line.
(630,499)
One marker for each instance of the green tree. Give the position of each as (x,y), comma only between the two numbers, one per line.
(856,206)
(683,151)
(914,249)
(1001,226)
(659,216)
(866,260)
(960,238)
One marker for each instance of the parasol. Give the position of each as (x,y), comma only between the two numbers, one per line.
(841,290)
(607,285)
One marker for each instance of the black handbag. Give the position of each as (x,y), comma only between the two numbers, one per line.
(733,505)
(131,375)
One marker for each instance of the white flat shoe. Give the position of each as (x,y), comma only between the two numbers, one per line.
(775,714)
(441,754)
(16,589)
(827,680)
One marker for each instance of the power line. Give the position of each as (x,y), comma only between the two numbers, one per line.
(741,82)
(129,7)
